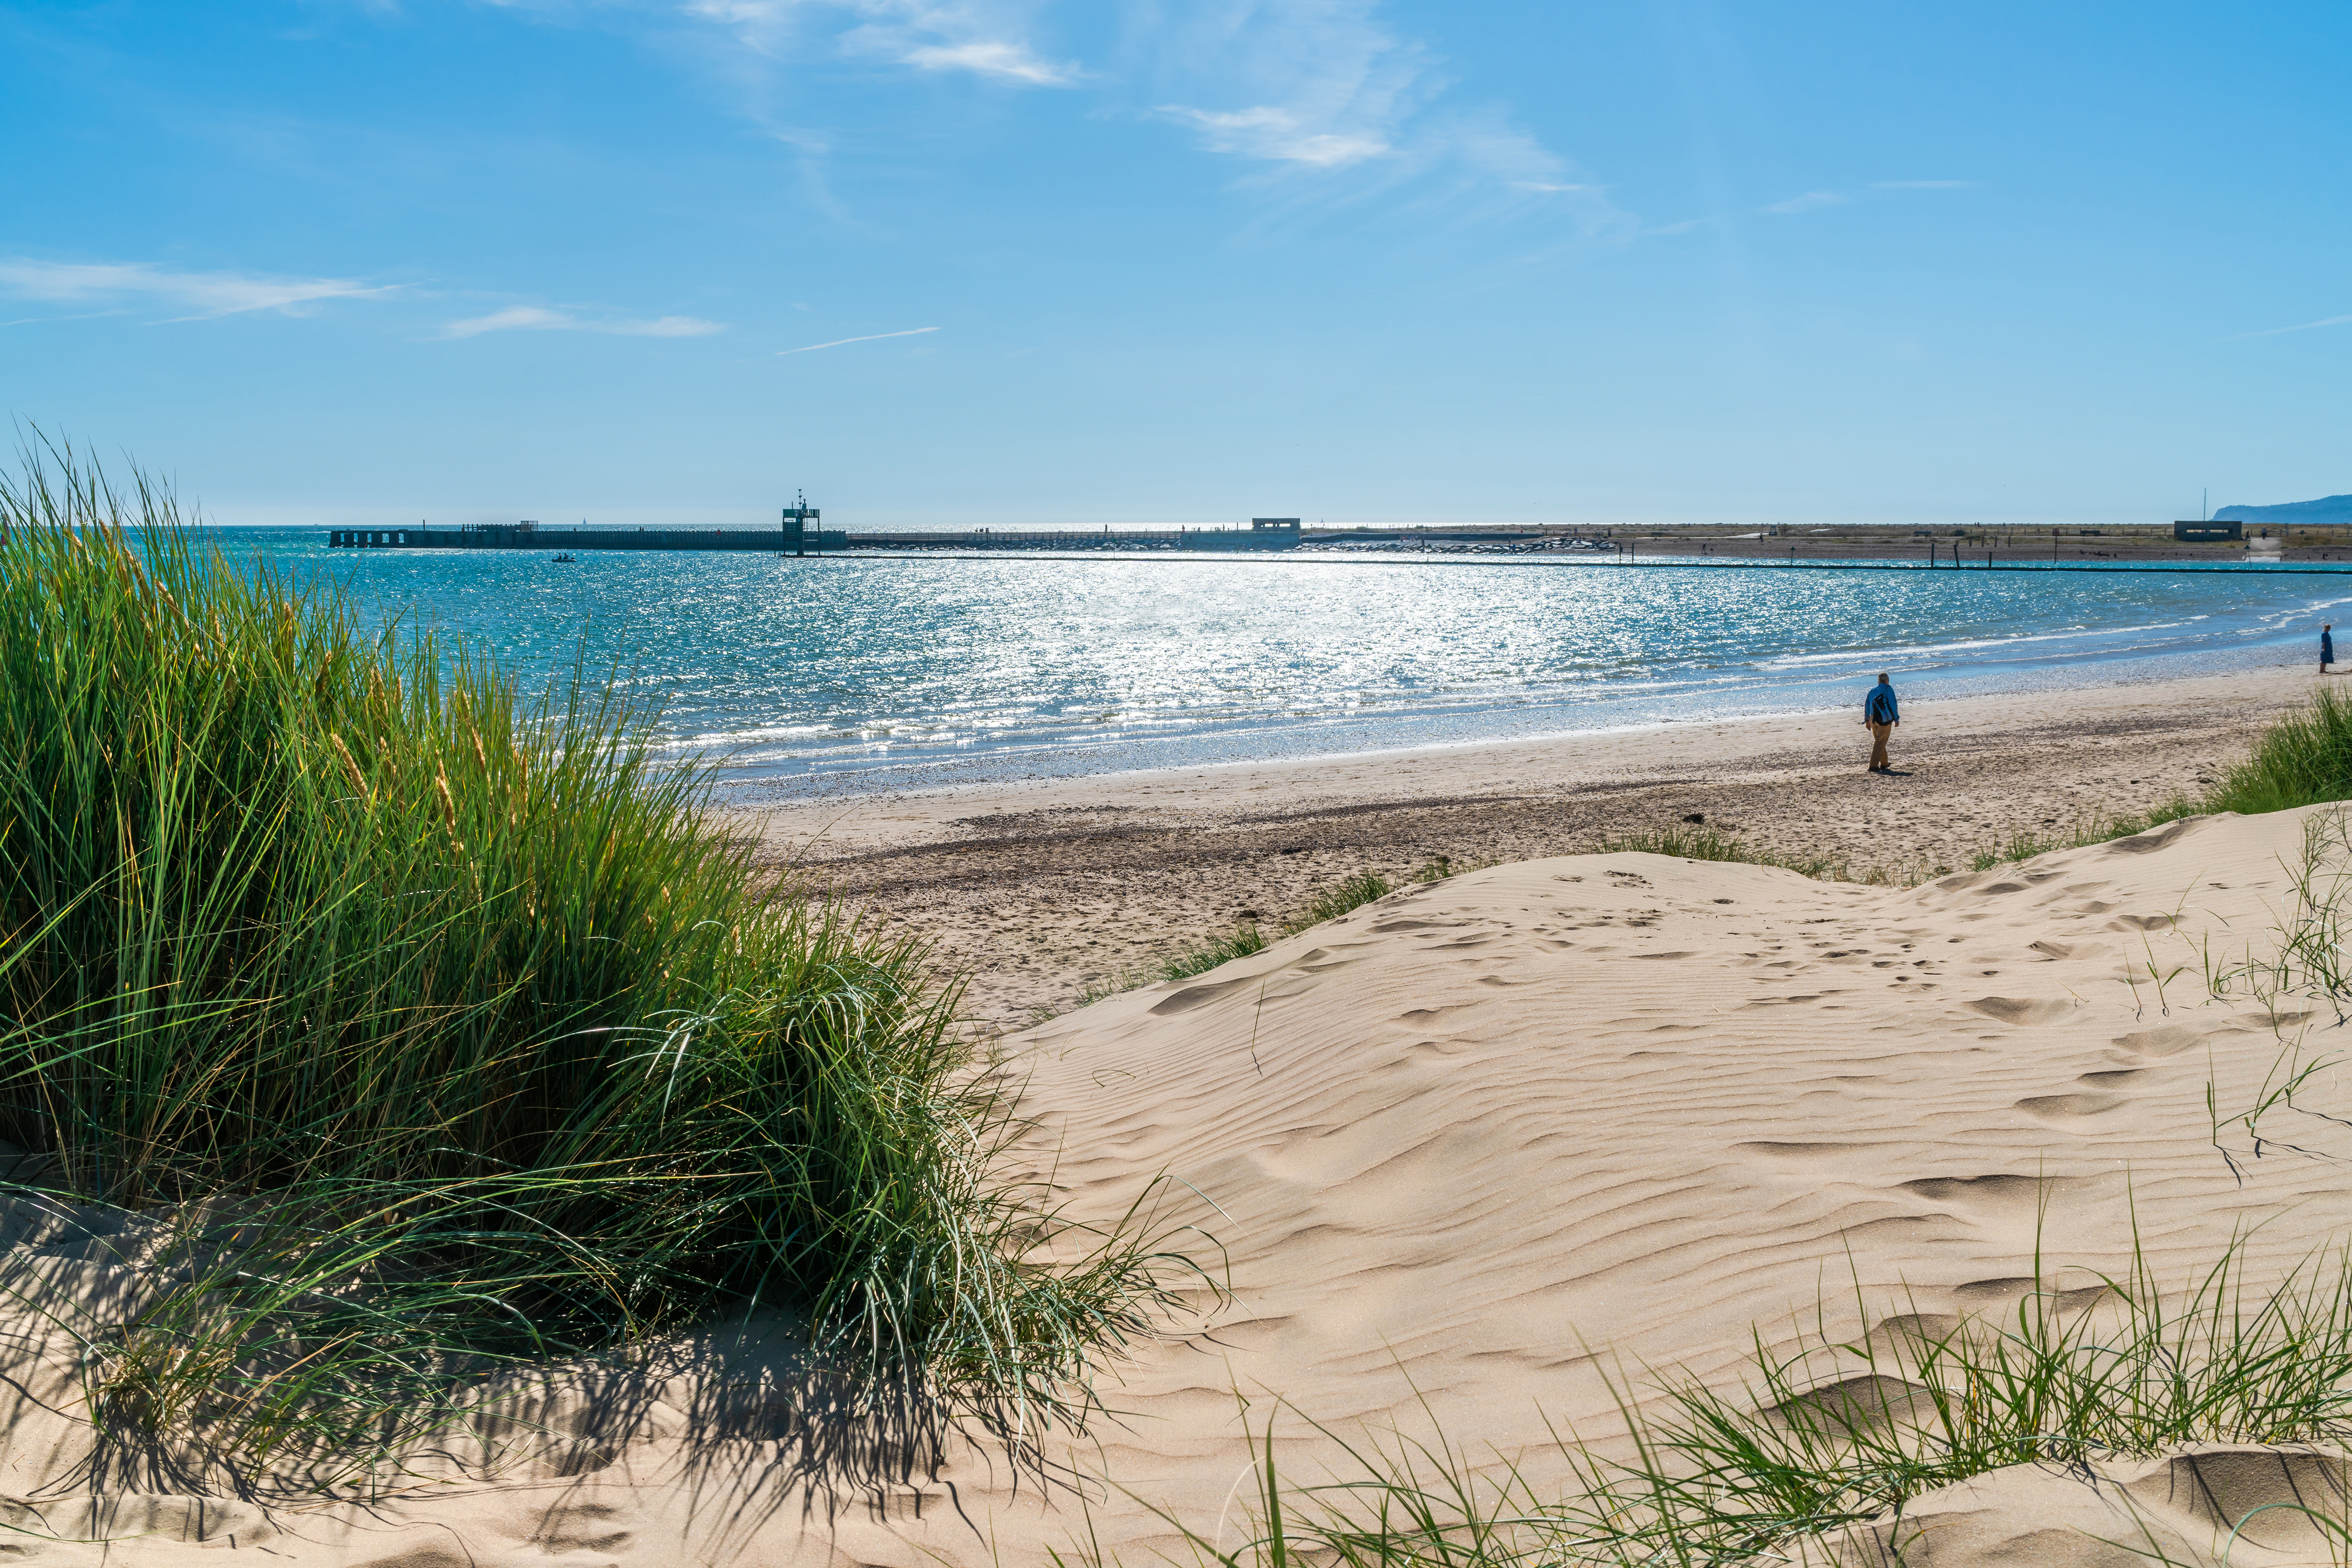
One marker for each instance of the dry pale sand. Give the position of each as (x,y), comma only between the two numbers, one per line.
(1462,1140)
(1041,891)
(1461,1150)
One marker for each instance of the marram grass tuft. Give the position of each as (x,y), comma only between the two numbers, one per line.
(424,1029)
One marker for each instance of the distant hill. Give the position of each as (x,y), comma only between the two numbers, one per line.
(2326,510)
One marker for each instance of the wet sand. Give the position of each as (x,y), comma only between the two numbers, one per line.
(1048,890)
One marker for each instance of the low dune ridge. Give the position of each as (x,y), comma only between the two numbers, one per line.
(1049,891)
(1473,1151)
(1473,1144)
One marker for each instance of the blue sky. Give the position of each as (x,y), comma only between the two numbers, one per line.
(993,261)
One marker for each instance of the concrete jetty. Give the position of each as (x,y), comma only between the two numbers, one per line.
(795,537)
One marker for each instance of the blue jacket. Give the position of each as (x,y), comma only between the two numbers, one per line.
(1879,707)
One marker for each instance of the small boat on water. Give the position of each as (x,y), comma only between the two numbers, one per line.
(564,556)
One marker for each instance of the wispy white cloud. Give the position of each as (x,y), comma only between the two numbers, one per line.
(1814,200)
(207,294)
(2299,327)
(981,36)
(46,320)
(1278,135)
(991,57)
(1321,84)
(1811,202)
(539,318)
(1337,109)
(128,285)
(869,337)
(1331,102)
(759,15)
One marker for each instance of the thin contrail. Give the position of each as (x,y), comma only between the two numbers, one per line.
(869,337)
(2281,332)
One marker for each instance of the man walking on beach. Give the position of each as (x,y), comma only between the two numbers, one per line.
(1880,714)
(2326,647)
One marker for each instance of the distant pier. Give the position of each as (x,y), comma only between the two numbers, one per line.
(531,537)
(1866,547)
(794,537)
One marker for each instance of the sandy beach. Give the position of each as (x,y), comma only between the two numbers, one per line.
(1461,1158)
(1045,891)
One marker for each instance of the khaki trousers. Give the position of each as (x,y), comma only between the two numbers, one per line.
(1878,734)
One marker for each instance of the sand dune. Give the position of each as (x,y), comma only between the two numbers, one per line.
(1465,1138)
(1468,1148)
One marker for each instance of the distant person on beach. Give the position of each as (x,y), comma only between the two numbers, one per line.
(1880,714)
(2326,646)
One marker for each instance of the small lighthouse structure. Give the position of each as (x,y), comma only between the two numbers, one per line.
(797,518)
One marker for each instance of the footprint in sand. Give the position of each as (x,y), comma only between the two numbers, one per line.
(2156,839)
(1980,1293)
(581,1527)
(2263,1497)
(1863,1401)
(1907,1333)
(1441,1048)
(2166,1041)
(1798,1153)
(2068,1107)
(2024,1009)
(1192,997)
(2054,950)
(2000,1193)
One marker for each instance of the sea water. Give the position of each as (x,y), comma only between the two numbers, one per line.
(807,676)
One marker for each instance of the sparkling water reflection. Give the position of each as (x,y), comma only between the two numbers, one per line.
(873,673)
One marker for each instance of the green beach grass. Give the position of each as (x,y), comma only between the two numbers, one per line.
(1838,1432)
(1705,844)
(421,1027)
(1348,893)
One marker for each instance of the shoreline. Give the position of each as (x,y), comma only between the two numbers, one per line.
(1046,889)
(1015,665)
(755,787)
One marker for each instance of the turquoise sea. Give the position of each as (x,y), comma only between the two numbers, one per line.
(858,673)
